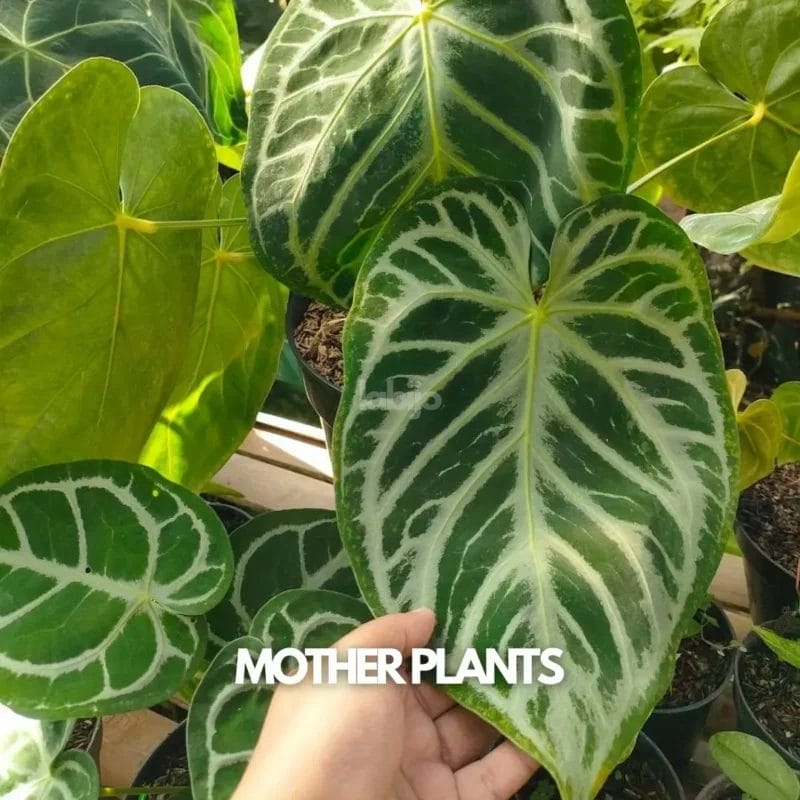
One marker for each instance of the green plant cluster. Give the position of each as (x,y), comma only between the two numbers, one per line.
(460,182)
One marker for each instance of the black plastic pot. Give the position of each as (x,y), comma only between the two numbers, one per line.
(747,719)
(323,395)
(719,789)
(645,750)
(160,761)
(771,587)
(678,731)
(231,515)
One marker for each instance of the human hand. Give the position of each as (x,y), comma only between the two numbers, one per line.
(388,742)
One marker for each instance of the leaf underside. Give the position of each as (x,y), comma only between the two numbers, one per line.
(360,104)
(544,474)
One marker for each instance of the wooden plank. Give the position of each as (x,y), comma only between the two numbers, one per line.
(729,587)
(742,623)
(300,455)
(128,739)
(275,488)
(290,427)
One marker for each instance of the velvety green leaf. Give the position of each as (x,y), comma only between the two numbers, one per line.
(33,767)
(738,111)
(96,305)
(188,45)
(236,341)
(760,435)
(360,104)
(225,719)
(754,767)
(787,398)
(104,566)
(769,221)
(275,552)
(787,650)
(546,473)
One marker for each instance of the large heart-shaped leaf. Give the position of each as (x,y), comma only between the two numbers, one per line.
(33,766)
(188,45)
(737,113)
(275,552)
(104,566)
(225,719)
(236,341)
(569,486)
(96,303)
(359,105)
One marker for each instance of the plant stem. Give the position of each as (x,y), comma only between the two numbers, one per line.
(673,162)
(197,224)
(148,790)
(780,314)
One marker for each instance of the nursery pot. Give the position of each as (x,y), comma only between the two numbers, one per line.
(94,742)
(170,752)
(677,731)
(770,585)
(645,750)
(721,788)
(748,722)
(232,516)
(322,394)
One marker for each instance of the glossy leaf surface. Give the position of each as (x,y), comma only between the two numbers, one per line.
(360,104)
(570,485)
(191,46)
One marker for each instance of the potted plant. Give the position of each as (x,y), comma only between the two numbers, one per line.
(766,686)
(704,669)
(750,768)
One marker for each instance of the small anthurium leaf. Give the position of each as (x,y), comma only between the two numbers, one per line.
(96,306)
(571,484)
(540,92)
(236,340)
(787,650)
(754,767)
(275,552)
(737,113)
(760,438)
(191,46)
(737,385)
(104,566)
(33,766)
(768,221)
(225,718)
(787,398)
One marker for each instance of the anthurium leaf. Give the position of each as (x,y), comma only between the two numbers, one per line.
(96,307)
(225,719)
(33,766)
(787,398)
(236,340)
(781,257)
(768,221)
(104,566)
(275,552)
(188,45)
(359,106)
(760,436)
(754,767)
(570,486)
(737,386)
(787,650)
(738,111)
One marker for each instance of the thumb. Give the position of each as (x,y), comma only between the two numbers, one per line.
(401,632)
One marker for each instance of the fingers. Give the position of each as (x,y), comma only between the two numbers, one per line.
(497,775)
(433,700)
(401,632)
(463,737)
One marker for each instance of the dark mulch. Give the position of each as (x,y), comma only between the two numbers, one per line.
(772,689)
(319,340)
(701,669)
(636,779)
(175,772)
(81,735)
(770,513)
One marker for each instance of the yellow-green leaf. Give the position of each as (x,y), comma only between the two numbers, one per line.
(760,432)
